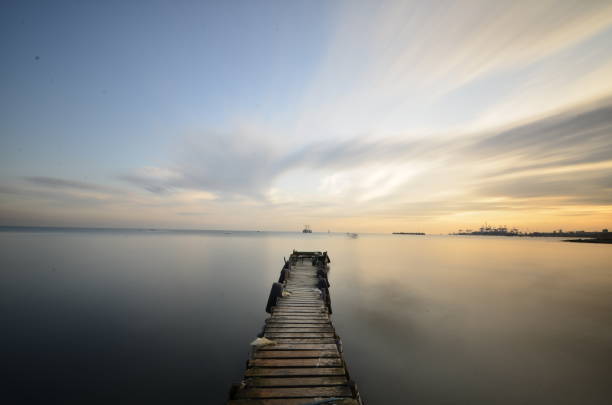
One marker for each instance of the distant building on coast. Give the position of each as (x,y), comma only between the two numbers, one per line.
(488,230)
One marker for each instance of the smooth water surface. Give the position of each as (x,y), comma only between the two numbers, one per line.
(129,317)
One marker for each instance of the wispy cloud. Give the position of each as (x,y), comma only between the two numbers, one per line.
(553,163)
(57,183)
(419,66)
(540,158)
(154,179)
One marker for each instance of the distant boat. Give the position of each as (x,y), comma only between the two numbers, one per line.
(306,229)
(352,235)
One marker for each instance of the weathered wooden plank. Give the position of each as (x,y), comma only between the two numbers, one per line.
(305,320)
(309,330)
(294,354)
(303,335)
(303,285)
(287,314)
(294,292)
(295,311)
(308,292)
(298,298)
(295,381)
(303,292)
(302,277)
(298,392)
(319,362)
(308,282)
(295,284)
(313,296)
(321,311)
(297,305)
(293,298)
(299,346)
(292,285)
(294,372)
(296,340)
(306,327)
(322,315)
(306,272)
(298,320)
(294,324)
(298,325)
(300,304)
(290,401)
(304,314)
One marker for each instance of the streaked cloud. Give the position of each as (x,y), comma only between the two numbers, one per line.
(422,66)
(53,182)
(561,164)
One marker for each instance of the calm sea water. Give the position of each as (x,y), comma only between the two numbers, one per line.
(129,317)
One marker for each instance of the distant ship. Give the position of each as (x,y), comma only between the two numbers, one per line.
(306,229)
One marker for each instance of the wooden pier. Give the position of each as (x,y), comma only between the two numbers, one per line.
(303,364)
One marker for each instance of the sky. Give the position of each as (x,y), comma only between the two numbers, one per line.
(360,116)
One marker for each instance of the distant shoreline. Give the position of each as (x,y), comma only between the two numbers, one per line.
(20,228)
(593,235)
(593,240)
(408,233)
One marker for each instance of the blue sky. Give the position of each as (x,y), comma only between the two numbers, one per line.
(268,115)
(125,79)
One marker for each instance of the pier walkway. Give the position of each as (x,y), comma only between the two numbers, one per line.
(303,363)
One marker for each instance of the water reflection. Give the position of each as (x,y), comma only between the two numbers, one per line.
(129,317)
